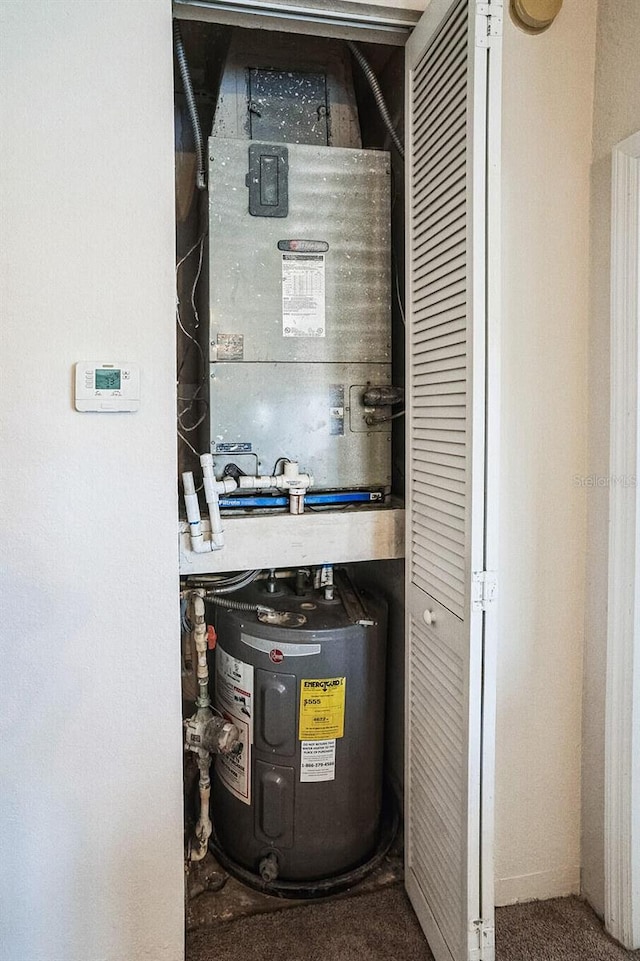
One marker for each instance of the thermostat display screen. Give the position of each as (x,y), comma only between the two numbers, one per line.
(107,379)
(104,387)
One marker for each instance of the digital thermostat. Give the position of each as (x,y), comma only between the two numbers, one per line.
(107,387)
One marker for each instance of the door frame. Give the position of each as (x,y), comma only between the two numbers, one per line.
(393,23)
(622,704)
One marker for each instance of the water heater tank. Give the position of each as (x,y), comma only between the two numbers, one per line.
(302,799)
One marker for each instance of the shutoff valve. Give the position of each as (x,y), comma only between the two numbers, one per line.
(211,733)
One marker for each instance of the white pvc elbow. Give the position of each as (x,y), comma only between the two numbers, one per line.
(290,480)
(212,491)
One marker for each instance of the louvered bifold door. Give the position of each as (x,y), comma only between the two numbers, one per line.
(449,101)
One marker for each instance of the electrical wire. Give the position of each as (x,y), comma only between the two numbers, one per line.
(195,284)
(190,251)
(199,243)
(286,460)
(191,448)
(378,95)
(193,340)
(385,420)
(201,179)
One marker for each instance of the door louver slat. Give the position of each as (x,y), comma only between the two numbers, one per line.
(435,798)
(450,151)
(428,222)
(437,286)
(435,389)
(439,377)
(445,226)
(443,251)
(429,69)
(444,481)
(432,191)
(439,328)
(443,127)
(448,547)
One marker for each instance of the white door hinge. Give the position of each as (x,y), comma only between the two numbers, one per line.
(488,22)
(484,590)
(482,940)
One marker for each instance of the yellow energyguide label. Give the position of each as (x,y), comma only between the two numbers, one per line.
(322,701)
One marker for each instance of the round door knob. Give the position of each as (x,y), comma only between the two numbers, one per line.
(534,16)
(429,618)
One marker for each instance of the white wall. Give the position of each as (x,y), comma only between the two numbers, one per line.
(616,116)
(548,91)
(90,739)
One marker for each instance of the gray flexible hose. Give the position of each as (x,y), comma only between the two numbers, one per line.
(237,605)
(378,95)
(201,181)
(222,585)
(235,585)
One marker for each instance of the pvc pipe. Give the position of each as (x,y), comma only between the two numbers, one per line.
(193,513)
(254,483)
(213,502)
(212,490)
(281,482)
(217,533)
(208,477)
(290,480)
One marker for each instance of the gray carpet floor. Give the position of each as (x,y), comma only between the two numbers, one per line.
(565,929)
(381,926)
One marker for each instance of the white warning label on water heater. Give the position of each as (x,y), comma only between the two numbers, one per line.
(234,699)
(318,760)
(303,287)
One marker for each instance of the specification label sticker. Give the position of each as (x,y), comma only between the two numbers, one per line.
(322,701)
(318,760)
(234,697)
(303,286)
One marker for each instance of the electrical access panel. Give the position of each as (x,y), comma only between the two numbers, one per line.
(302,413)
(300,313)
